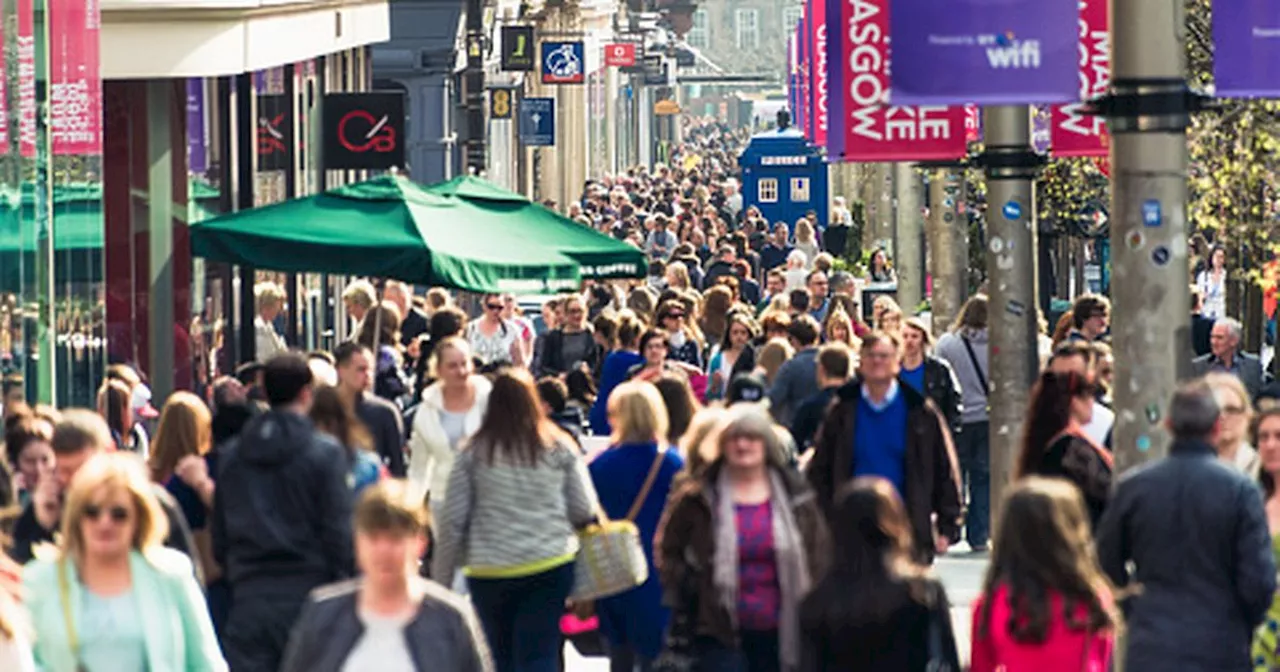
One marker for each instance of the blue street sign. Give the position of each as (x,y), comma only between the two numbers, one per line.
(538,122)
(1012,210)
(1151,213)
(563,63)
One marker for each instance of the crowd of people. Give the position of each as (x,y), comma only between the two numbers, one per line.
(418,498)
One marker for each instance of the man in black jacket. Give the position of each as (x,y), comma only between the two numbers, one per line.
(354,363)
(1195,531)
(281,518)
(77,437)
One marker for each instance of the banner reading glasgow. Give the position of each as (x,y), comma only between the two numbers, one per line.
(872,130)
(1246,43)
(987,52)
(1072,131)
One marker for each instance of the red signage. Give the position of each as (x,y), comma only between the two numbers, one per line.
(816,23)
(972,123)
(621,54)
(873,130)
(1071,131)
(75,87)
(26,78)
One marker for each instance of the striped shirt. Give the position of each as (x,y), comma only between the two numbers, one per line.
(509,520)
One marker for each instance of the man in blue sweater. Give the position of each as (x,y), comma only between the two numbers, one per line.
(879,426)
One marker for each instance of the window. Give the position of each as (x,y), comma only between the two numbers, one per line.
(747,28)
(768,190)
(791,16)
(698,37)
(799,190)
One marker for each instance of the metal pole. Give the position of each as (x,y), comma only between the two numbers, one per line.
(1010,164)
(908,224)
(1148,110)
(948,248)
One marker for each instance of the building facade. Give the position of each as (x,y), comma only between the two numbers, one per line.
(747,36)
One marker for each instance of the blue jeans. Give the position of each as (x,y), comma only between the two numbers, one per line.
(521,618)
(974,453)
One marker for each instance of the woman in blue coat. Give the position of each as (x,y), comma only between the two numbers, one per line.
(634,622)
(616,369)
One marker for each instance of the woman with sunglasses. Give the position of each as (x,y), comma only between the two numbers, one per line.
(494,341)
(111,597)
(1055,443)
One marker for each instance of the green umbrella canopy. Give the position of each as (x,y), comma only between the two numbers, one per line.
(386,227)
(508,214)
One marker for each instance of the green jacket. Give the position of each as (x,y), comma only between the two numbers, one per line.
(179,634)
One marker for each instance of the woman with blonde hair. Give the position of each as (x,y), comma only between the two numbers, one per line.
(1232,440)
(772,356)
(839,329)
(111,597)
(632,479)
(677,275)
(806,240)
(451,411)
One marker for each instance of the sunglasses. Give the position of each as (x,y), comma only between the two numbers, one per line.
(495,307)
(118,514)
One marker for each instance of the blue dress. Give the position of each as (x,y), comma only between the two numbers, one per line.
(635,618)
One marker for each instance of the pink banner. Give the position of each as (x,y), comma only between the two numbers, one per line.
(26,79)
(75,88)
(816,22)
(873,130)
(4,95)
(1072,132)
(972,123)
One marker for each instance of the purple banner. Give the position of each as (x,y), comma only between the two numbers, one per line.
(835,77)
(1246,47)
(197,140)
(985,52)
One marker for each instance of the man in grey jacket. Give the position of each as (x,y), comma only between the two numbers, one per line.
(797,380)
(965,349)
(1195,531)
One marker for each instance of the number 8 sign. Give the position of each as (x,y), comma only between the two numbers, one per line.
(500,103)
(622,54)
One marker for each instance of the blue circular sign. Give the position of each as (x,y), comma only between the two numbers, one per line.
(1160,256)
(1012,210)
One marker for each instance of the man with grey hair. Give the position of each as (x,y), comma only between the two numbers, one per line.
(1225,356)
(1194,532)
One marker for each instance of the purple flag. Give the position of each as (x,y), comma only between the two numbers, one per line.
(835,76)
(1246,47)
(986,52)
(197,142)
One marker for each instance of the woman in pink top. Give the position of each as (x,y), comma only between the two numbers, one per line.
(1045,605)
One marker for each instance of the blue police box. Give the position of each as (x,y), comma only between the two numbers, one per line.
(785,176)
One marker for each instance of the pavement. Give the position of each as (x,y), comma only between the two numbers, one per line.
(961,572)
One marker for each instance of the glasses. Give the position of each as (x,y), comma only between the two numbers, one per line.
(495,307)
(575,311)
(877,356)
(118,514)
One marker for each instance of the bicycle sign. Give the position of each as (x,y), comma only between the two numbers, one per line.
(563,63)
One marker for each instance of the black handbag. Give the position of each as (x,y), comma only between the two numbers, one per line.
(679,650)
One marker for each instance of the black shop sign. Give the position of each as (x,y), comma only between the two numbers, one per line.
(518,49)
(274,132)
(364,131)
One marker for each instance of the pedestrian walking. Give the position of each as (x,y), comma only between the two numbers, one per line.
(797,379)
(1237,417)
(1266,435)
(390,619)
(1045,604)
(616,368)
(516,495)
(1226,356)
(451,411)
(179,453)
(281,517)
(332,415)
(1199,602)
(380,417)
(1055,444)
(633,479)
(741,544)
(877,610)
(929,375)
(877,426)
(111,597)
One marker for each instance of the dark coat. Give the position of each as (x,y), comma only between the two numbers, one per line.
(1075,459)
(685,549)
(444,635)
(1201,329)
(1196,532)
(943,387)
(932,476)
(1250,373)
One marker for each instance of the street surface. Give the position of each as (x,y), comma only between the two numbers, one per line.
(960,571)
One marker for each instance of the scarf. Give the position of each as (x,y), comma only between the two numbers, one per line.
(789,555)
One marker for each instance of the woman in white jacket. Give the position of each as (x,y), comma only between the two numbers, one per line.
(451,410)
